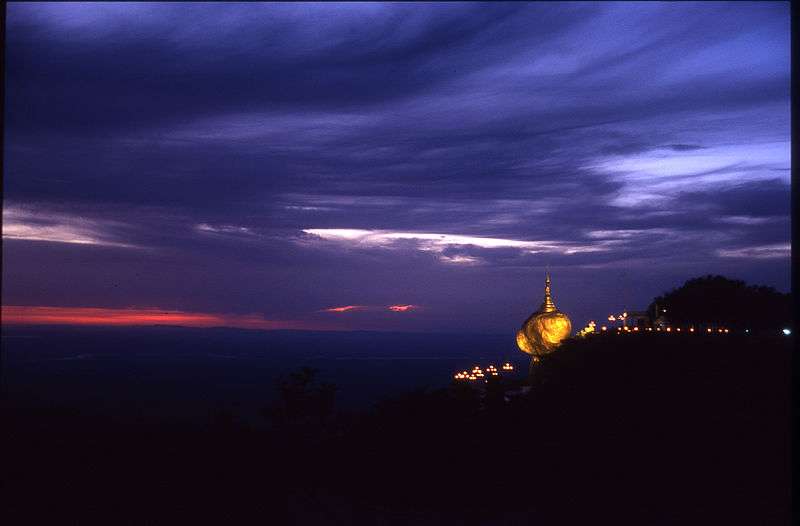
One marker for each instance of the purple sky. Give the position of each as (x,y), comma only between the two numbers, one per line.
(279,160)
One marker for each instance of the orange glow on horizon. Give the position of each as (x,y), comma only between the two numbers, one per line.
(38,315)
(345,308)
(401,308)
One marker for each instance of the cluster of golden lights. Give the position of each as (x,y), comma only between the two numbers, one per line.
(625,330)
(590,328)
(477,373)
(620,317)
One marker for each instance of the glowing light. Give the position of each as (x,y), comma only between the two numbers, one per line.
(787,332)
(669,329)
(691,329)
(603,328)
(708,330)
(636,329)
(612,318)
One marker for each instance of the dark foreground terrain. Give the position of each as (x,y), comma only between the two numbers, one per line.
(633,429)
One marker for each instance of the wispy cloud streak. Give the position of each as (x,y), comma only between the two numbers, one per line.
(402,308)
(33,224)
(434,242)
(783,250)
(345,308)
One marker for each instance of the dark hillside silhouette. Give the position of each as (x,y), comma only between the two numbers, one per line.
(716,300)
(630,429)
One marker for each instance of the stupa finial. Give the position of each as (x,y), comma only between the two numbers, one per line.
(547,305)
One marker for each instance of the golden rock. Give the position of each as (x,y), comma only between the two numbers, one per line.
(522,342)
(545,329)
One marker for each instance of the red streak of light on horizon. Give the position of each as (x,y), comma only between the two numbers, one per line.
(15,314)
(346,308)
(401,308)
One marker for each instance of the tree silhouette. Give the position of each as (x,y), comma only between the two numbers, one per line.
(305,407)
(721,301)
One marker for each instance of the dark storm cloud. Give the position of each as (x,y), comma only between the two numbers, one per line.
(205,140)
(116,68)
(759,199)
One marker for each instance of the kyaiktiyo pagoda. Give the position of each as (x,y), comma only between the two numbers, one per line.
(545,329)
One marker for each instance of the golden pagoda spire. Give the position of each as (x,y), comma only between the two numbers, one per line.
(547,305)
(545,329)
